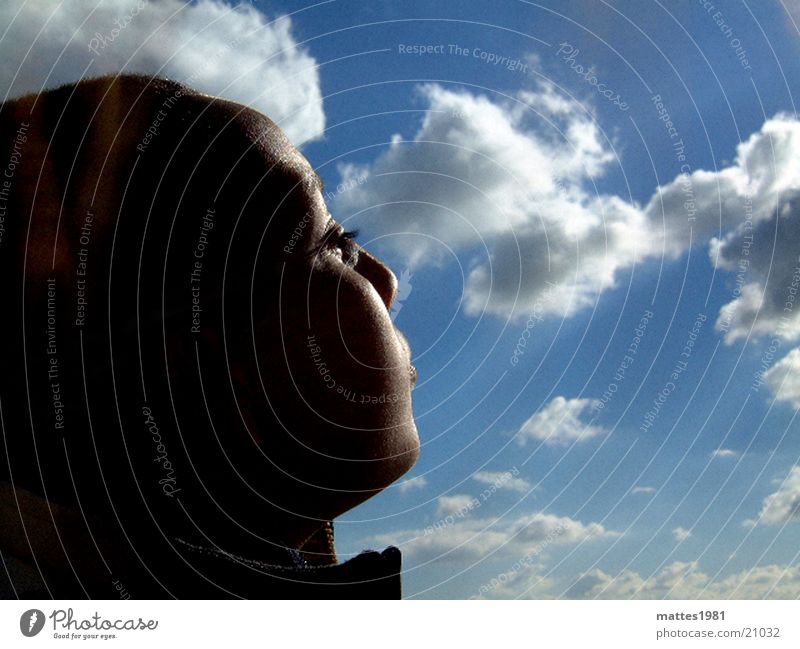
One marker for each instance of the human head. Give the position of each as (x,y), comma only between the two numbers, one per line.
(198,288)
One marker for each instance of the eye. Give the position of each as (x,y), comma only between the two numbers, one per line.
(341,243)
(346,245)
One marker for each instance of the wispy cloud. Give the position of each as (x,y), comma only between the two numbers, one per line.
(678,580)
(685,580)
(417,482)
(783,505)
(503,480)
(453,504)
(469,539)
(723,453)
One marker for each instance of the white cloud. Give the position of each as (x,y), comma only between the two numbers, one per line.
(784,378)
(417,482)
(685,581)
(681,534)
(723,453)
(527,581)
(488,173)
(511,182)
(457,503)
(643,490)
(761,307)
(783,506)
(758,248)
(472,539)
(502,480)
(231,52)
(749,215)
(559,422)
(678,580)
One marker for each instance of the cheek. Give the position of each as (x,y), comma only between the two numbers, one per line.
(340,350)
(340,386)
(344,312)
(352,318)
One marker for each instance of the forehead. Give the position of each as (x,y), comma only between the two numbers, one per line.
(274,149)
(288,181)
(281,189)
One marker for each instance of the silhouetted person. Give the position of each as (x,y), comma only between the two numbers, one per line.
(199,369)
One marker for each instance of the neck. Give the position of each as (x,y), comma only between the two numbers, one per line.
(47,536)
(51,537)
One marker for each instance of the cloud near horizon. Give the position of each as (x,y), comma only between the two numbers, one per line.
(678,580)
(685,580)
(473,539)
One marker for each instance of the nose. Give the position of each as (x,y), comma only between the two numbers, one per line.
(379,276)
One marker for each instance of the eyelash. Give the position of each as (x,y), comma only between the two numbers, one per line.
(343,240)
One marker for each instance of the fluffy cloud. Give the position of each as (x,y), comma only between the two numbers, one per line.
(502,480)
(761,211)
(784,378)
(471,539)
(685,581)
(749,213)
(764,307)
(483,175)
(723,453)
(511,182)
(558,423)
(735,201)
(221,50)
(783,505)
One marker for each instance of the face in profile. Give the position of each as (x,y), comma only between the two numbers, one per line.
(322,378)
(232,374)
(347,370)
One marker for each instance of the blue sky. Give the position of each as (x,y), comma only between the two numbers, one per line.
(676,519)
(584,198)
